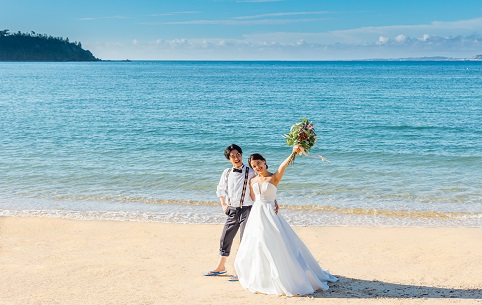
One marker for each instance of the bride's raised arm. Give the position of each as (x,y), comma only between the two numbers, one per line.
(281,169)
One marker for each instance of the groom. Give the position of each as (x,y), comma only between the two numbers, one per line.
(234,194)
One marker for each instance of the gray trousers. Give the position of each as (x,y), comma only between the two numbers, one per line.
(237,218)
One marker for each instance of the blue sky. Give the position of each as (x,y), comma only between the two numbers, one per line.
(255,29)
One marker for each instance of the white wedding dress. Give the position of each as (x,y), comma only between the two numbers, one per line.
(271,258)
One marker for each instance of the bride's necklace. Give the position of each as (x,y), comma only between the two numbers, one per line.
(261,177)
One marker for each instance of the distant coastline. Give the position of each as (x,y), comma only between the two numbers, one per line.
(430,58)
(477,58)
(31,47)
(40,47)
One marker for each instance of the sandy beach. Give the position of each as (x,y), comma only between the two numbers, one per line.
(61,261)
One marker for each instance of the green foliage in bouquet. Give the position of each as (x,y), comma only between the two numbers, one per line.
(303,134)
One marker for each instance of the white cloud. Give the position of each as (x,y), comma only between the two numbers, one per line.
(282,14)
(425,37)
(401,38)
(369,35)
(383,47)
(300,42)
(383,40)
(435,39)
(173,13)
(99,18)
(237,22)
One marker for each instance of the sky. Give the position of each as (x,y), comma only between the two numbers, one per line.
(256,29)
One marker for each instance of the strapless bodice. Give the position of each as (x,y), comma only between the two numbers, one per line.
(265,192)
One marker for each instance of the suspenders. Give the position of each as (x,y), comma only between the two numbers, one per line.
(244,187)
(226,183)
(246,174)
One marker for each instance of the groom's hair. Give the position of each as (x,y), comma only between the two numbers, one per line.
(230,148)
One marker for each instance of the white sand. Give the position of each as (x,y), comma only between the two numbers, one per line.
(57,261)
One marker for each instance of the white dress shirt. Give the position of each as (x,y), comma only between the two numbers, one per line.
(235,187)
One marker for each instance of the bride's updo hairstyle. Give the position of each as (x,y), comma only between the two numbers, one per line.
(256,157)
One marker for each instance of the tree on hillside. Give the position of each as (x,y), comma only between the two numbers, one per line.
(40,47)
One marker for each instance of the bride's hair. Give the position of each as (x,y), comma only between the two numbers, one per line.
(256,157)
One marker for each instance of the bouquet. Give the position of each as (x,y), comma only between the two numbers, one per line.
(304,135)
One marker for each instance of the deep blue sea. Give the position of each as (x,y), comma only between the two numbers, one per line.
(144,140)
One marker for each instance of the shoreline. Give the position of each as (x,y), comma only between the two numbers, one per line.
(65,261)
(211,214)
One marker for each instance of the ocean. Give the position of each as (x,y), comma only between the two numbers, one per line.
(144,140)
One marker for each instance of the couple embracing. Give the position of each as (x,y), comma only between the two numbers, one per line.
(271,258)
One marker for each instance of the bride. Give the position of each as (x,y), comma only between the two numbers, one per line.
(271,258)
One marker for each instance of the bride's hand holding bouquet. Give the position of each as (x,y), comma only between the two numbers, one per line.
(298,149)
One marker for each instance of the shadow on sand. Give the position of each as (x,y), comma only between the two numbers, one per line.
(364,289)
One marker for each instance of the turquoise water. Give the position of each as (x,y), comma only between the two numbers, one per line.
(144,140)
